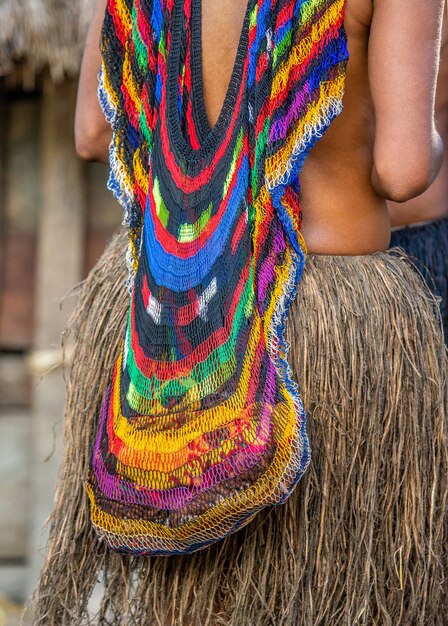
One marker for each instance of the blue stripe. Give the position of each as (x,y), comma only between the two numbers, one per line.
(183,274)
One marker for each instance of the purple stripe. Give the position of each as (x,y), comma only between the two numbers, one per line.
(280,127)
(121,489)
(266,273)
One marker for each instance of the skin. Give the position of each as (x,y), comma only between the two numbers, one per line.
(384,145)
(433,203)
(92,133)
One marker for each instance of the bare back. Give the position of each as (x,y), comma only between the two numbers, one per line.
(384,145)
(342,211)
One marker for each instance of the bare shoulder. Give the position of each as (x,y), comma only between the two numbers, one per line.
(358,14)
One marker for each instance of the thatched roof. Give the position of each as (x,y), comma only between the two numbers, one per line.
(43,33)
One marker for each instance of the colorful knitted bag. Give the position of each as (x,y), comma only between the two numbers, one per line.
(202,425)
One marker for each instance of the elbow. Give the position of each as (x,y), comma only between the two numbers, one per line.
(405,177)
(92,144)
(89,147)
(85,150)
(399,186)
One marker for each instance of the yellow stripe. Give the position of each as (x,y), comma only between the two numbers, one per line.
(165,442)
(302,50)
(329,92)
(257,494)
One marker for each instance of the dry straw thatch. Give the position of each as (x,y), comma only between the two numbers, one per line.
(43,33)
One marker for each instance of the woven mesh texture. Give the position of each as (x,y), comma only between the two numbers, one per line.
(203,425)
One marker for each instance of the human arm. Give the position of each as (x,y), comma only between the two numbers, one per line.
(92,132)
(404,48)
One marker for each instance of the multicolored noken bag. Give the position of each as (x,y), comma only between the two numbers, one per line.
(203,425)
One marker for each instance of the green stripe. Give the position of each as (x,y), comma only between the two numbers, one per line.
(253,17)
(282,47)
(260,147)
(236,155)
(147,134)
(190,232)
(221,358)
(161,210)
(139,46)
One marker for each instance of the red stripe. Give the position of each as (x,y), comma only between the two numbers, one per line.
(130,106)
(150,113)
(166,370)
(252,35)
(255,369)
(183,315)
(145,31)
(262,66)
(239,230)
(285,14)
(146,292)
(266,224)
(194,140)
(300,69)
(121,33)
(191,126)
(187,183)
(141,197)
(185,250)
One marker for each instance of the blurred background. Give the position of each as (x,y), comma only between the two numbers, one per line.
(55,217)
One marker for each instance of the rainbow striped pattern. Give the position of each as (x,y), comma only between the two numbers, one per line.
(202,425)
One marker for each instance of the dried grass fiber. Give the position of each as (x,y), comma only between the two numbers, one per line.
(44,32)
(427,246)
(363,539)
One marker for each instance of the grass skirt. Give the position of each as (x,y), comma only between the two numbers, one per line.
(363,538)
(427,245)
